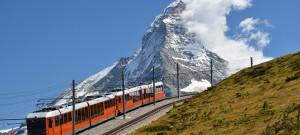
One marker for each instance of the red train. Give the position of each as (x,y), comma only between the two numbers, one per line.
(90,113)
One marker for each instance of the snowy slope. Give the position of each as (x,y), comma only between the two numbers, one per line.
(22,130)
(85,86)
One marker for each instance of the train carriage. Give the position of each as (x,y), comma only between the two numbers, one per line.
(58,121)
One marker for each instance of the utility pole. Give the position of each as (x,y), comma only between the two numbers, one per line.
(177,69)
(73,102)
(211,72)
(153,79)
(123,90)
(251,61)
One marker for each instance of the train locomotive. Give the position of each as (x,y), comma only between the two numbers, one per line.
(59,121)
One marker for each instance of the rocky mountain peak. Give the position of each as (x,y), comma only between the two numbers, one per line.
(165,43)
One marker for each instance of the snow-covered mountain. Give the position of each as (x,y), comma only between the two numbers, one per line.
(165,43)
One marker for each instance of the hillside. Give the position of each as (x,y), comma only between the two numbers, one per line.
(263,100)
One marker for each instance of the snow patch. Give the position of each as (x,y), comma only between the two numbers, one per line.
(8,130)
(197,86)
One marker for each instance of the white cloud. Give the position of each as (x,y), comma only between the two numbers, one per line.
(250,32)
(248,24)
(197,86)
(208,20)
(261,38)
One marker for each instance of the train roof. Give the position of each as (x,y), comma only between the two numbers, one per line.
(65,109)
(46,114)
(119,93)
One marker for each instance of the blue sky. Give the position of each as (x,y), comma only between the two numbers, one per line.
(46,44)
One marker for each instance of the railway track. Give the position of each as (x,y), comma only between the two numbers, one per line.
(124,126)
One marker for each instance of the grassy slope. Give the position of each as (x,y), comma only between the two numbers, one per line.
(260,100)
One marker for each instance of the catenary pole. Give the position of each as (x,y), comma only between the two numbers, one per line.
(211,72)
(251,61)
(177,70)
(123,91)
(153,81)
(73,110)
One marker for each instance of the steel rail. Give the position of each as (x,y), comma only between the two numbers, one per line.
(143,117)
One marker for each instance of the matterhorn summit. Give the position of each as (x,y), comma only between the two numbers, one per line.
(165,43)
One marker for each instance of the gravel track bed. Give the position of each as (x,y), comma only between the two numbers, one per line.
(111,124)
(146,121)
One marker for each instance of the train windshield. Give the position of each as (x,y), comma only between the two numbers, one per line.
(36,126)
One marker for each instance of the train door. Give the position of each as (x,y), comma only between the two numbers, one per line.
(120,104)
(141,96)
(116,106)
(50,126)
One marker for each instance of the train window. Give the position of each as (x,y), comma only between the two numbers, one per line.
(69,117)
(50,123)
(60,120)
(96,106)
(135,98)
(86,113)
(106,104)
(83,114)
(109,103)
(145,95)
(78,116)
(128,97)
(113,102)
(56,120)
(97,110)
(65,118)
(92,111)
(101,109)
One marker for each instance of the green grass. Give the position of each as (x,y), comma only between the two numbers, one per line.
(263,100)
